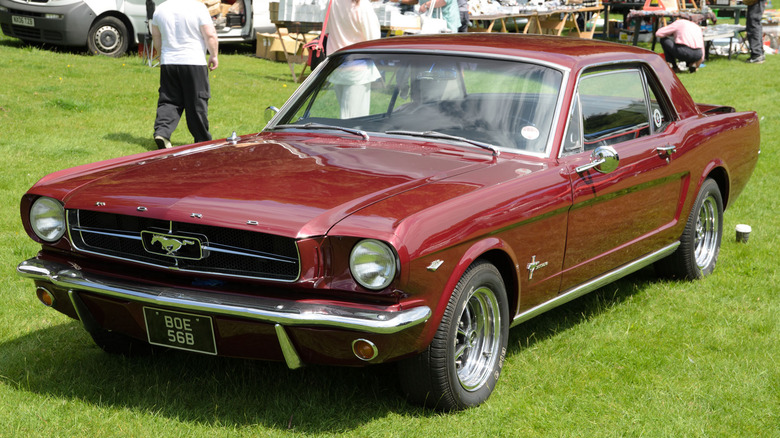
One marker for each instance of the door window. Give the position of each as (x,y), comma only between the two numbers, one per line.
(611,107)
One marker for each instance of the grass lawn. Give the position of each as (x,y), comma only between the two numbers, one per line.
(641,357)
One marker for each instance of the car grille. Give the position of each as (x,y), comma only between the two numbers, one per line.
(224,251)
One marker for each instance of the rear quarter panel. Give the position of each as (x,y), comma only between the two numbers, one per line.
(725,144)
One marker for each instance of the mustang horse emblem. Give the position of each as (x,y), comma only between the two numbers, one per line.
(169,244)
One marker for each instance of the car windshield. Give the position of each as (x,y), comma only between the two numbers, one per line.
(486,102)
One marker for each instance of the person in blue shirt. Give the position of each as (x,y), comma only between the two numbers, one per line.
(449,10)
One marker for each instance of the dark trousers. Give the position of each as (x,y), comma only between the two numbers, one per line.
(464,21)
(183,88)
(679,52)
(753,29)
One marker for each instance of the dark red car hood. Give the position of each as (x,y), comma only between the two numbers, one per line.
(288,184)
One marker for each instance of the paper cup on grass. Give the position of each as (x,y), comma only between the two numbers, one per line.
(743,232)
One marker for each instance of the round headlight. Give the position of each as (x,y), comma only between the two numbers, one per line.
(373,264)
(47,218)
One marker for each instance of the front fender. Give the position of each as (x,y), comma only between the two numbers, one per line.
(425,278)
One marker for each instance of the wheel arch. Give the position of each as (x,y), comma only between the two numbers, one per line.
(507,268)
(492,250)
(721,177)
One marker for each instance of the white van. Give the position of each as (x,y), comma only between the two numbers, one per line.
(110,27)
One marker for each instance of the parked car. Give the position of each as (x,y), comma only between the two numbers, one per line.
(413,199)
(111,27)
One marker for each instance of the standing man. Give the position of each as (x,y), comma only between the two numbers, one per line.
(182,30)
(754,31)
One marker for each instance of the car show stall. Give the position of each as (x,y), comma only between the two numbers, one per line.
(299,21)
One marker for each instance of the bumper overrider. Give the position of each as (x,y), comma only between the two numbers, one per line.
(282,315)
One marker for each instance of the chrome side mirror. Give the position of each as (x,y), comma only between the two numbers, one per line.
(269,113)
(604,159)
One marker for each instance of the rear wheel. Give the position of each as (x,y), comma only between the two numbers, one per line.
(108,36)
(463,363)
(700,243)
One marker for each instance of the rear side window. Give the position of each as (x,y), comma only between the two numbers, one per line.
(614,108)
(611,107)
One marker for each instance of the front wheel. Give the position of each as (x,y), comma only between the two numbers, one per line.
(461,366)
(700,242)
(108,36)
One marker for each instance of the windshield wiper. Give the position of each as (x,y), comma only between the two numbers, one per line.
(436,134)
(363,134)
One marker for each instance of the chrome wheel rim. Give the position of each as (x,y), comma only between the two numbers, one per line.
(107,39)
(706,237)
(477,340)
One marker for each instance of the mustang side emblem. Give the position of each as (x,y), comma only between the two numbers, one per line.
(533,266)
(169,244)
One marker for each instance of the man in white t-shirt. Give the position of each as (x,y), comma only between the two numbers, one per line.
(182,31)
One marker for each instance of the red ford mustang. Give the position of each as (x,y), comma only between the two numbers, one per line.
(414,199)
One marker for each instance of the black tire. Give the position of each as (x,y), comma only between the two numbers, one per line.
(108,37)
(700,242)
(117,343)
(463,363)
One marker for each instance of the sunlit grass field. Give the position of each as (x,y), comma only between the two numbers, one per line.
(641,357)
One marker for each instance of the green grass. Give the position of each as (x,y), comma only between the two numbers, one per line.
(641,357)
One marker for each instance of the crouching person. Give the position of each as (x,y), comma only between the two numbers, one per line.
(682,41)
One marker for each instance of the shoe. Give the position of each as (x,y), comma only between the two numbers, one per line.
(162,142)
(756,60)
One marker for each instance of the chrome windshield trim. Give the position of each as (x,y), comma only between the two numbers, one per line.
(546,153)
(287,313)
(595,283)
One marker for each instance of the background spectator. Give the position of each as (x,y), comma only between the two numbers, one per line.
(182,30)
(449,9)
(682,40)
(754,30)
(350,22)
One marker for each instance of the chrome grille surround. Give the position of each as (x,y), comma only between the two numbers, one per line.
(226,252)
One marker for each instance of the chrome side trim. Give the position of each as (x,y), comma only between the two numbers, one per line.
(595,283)
(288,349)
(265,310)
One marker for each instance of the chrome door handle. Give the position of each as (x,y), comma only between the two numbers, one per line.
(591,165)
(605,159)
(667,150)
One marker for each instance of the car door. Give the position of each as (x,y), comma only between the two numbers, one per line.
(623,208)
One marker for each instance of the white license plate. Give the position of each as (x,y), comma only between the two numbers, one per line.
(184,331)
(22,21)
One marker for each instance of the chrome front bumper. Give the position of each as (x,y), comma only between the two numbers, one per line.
(280,313)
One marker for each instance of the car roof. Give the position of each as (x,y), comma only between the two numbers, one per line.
(566,52)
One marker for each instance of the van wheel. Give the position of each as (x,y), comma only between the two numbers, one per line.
(108,37)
